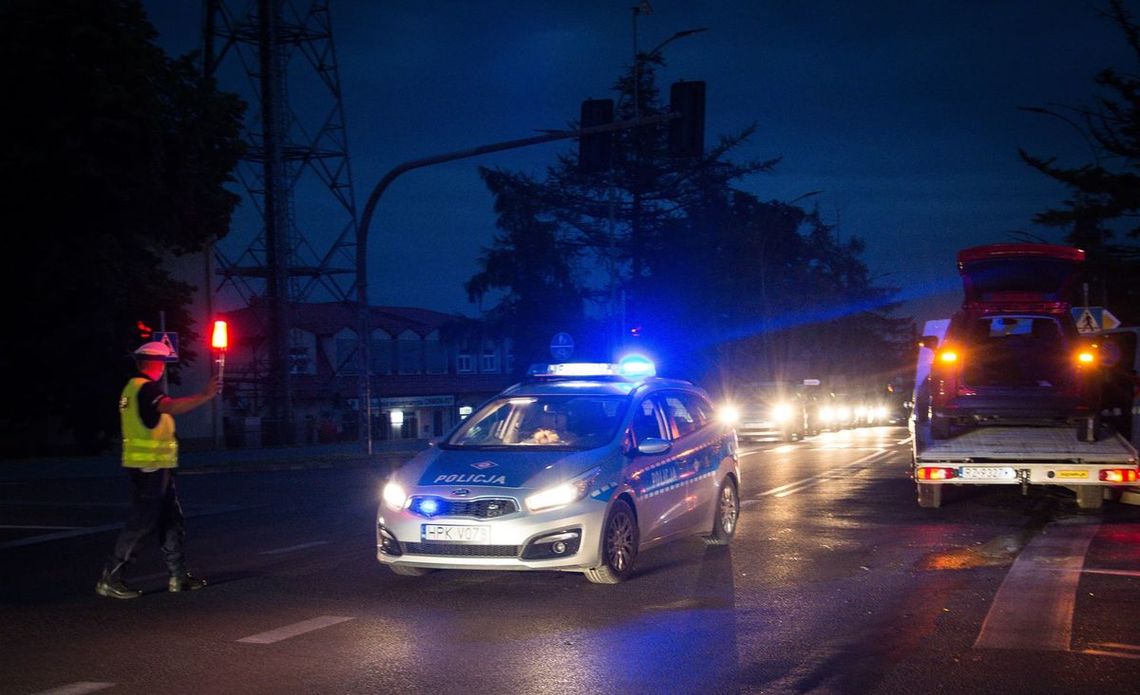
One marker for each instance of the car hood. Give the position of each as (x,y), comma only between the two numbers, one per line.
(497,468)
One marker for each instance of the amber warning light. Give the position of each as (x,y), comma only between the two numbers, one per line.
(220,341)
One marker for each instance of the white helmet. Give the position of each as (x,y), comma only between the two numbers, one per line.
(154,350)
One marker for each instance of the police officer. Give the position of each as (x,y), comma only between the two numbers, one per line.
(150,455)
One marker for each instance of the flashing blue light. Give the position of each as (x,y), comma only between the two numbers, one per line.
(428,506)
(636,366)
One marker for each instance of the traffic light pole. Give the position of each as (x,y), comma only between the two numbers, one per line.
(363,318)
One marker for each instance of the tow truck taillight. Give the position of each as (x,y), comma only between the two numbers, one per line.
(1118,475)
(935,473)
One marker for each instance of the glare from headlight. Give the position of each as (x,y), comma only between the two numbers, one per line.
(394,496)
(782,412)
(728,414)
(563,493)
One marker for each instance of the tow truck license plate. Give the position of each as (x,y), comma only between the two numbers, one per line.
(988,472)
(456,534)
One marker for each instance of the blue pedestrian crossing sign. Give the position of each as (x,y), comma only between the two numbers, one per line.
(1093,319)
(561,346)
(170,340)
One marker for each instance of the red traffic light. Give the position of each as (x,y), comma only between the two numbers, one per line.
(221,337)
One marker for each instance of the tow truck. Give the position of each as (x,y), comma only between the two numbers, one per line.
(984,418)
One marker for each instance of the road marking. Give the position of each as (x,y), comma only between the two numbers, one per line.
(284,633)
(838,471)
(20,526)
(1033,608)
(76,531)
(1121,651)
(78,688)
(291,548)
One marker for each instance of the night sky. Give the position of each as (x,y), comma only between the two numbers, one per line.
(903,113)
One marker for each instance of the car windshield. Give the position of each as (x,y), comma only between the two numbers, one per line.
(557,421)
(1017,351)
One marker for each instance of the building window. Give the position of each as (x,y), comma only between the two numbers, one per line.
(463,363)
(381,350)
(435,355)
(490,361)
(346,360)
(409,353)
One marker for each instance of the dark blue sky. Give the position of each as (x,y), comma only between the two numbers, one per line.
(904,113)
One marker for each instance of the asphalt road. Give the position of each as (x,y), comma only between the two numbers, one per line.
(837,582)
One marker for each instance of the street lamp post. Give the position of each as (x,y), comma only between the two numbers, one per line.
(363,318)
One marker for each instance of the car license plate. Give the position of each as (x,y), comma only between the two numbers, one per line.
(457,534)
(988,472)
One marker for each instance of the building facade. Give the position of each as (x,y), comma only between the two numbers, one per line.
(428,370)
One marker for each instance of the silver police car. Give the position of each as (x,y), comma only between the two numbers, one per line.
(578,468)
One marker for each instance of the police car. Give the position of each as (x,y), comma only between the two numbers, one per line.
(578,468)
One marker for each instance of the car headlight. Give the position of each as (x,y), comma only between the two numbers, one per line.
(782,412)
(394,496)
(728,414)
(563,493)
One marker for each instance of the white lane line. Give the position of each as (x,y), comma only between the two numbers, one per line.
(76,531)
(795,486)
(1033,608)
(39,526)
(59,535)
(1119,573)
(1110,652)
(78,688)
(284,633)
(291,548)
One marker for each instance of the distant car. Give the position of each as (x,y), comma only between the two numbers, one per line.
(578,468)
(834,411)
(1013,354)
(770,412)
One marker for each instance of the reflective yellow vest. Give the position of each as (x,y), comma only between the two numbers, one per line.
(144,447)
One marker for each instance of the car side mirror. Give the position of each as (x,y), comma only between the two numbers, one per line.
(653,445)
(929,341)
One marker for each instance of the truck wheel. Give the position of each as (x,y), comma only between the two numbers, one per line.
(929,496)
(1089,497)
(939,428)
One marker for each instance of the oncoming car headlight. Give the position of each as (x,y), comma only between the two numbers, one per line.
(394,496)
(782,412)
(563,493)
(728,414)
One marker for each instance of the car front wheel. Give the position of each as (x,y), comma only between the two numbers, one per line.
(619,546)
(727,514)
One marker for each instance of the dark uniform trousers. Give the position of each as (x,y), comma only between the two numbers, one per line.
(155,509)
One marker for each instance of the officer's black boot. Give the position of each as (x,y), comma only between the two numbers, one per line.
(184,581)
(111,584)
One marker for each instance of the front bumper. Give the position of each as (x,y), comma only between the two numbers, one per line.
(562,539)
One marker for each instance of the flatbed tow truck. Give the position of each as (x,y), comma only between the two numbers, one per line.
(1022,455)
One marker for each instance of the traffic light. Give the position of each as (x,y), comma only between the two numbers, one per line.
(687,132)
(594,150)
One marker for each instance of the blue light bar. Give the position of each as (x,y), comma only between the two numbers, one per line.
(636,367)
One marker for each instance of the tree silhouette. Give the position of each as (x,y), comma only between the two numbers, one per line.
(117,156)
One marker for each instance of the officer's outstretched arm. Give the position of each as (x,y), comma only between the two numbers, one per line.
(177,406)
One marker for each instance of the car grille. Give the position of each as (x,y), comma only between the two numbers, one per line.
(460,549)
(478,509)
